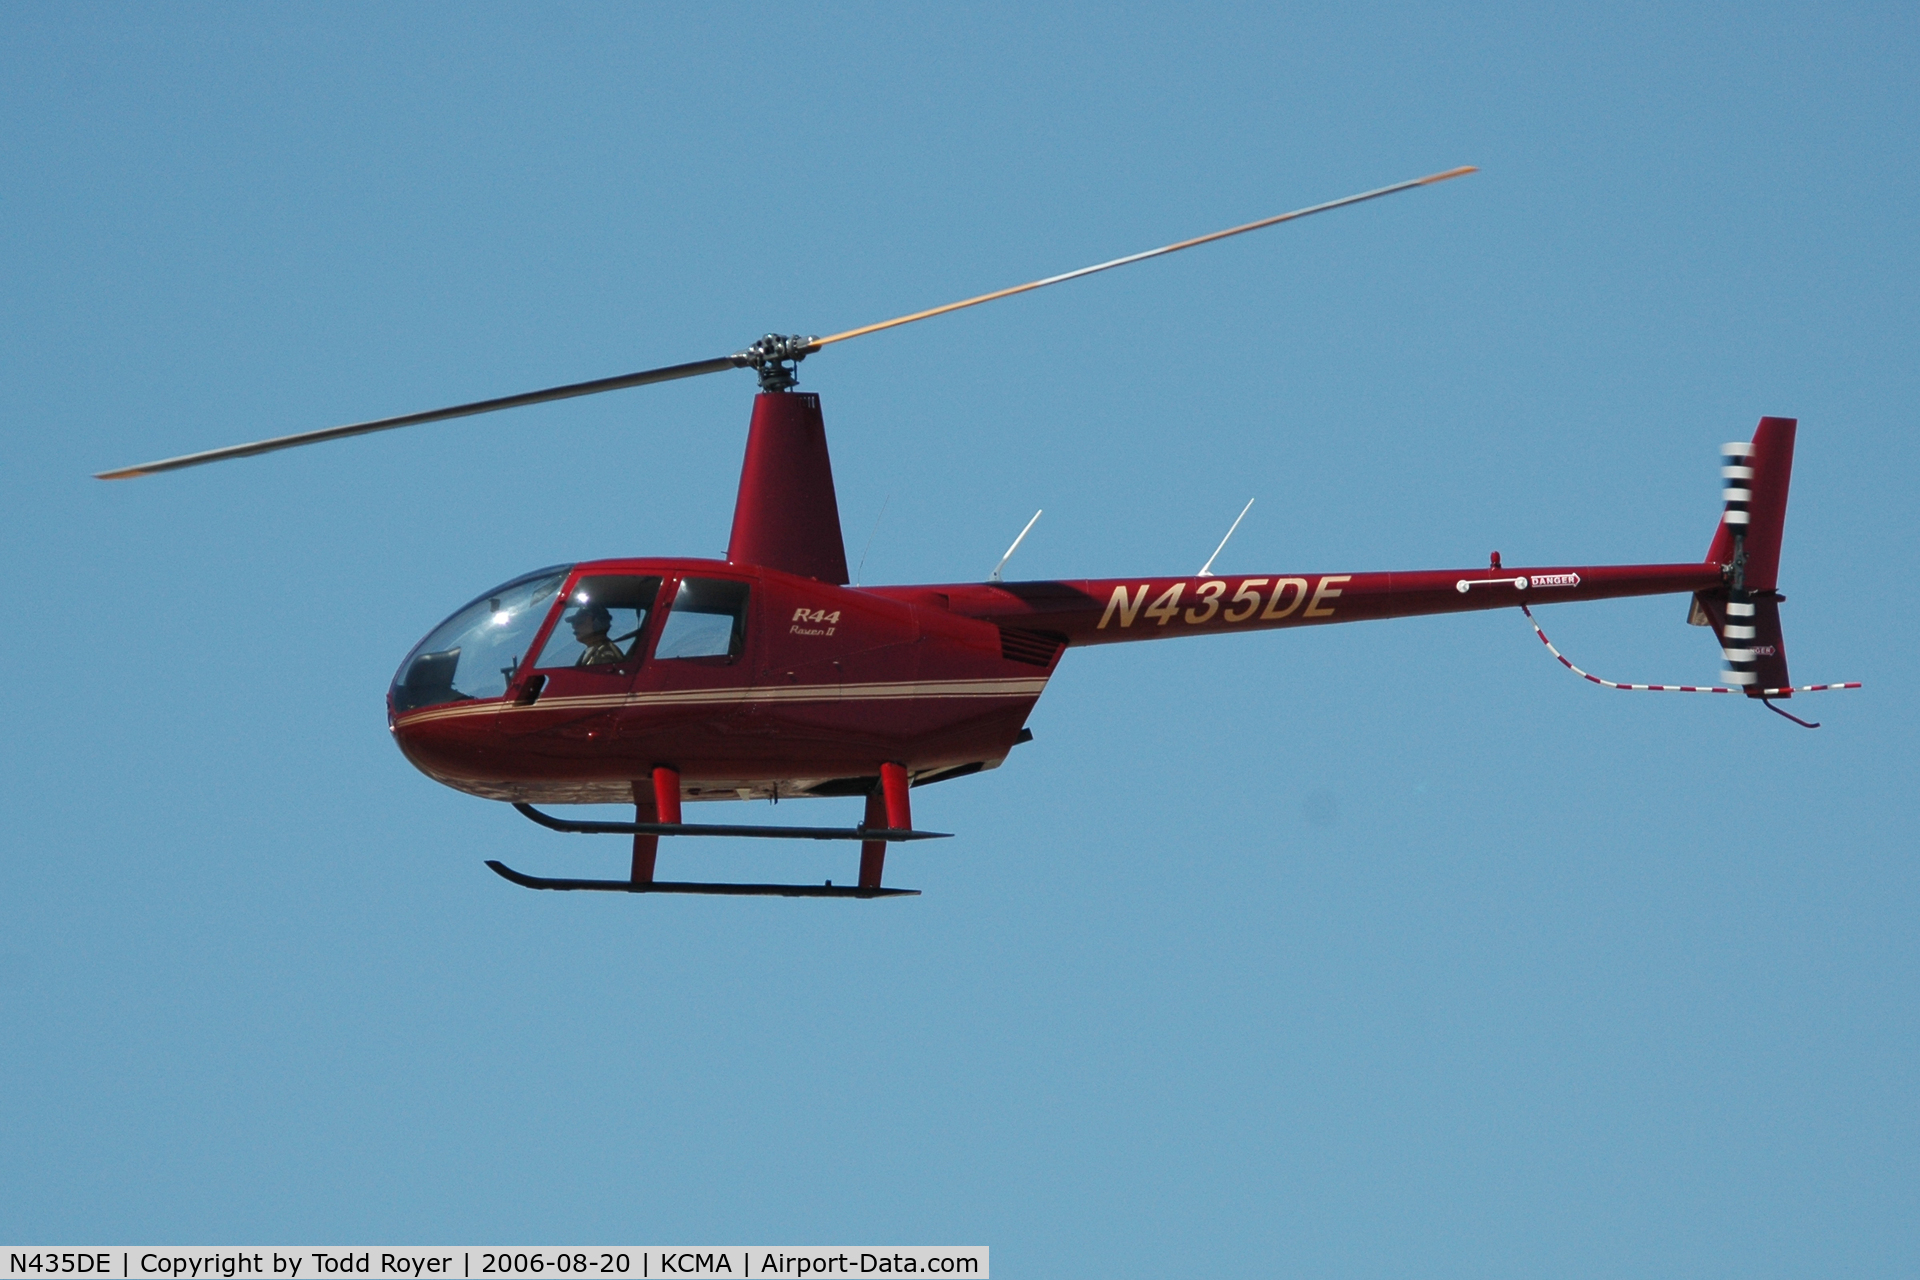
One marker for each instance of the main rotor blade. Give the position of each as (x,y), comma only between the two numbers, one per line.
(772,350)
(641,379)
(1375,194)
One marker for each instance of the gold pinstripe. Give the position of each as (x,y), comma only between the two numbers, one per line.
(1023,687)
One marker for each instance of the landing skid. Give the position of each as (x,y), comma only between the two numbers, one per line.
(688,886)
(888,821)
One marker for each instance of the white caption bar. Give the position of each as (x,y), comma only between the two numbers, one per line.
(471,1262)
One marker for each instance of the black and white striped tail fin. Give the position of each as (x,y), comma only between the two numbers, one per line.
(1737,639)
(1737,633)
(1736,475)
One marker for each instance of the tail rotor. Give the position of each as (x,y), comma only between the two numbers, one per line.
(1745,612)
(1737,632)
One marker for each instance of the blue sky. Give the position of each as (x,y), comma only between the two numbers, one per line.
(1372,950)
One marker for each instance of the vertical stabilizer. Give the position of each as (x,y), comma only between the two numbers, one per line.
(786,516)
(1769,466)
(1745,614)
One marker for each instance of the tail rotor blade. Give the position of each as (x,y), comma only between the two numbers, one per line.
(665,374)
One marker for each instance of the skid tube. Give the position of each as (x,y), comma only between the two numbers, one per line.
(890,835)
(828,890)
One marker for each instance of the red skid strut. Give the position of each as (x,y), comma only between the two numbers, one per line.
(887,807)
(663,805)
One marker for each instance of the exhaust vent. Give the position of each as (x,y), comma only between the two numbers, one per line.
(1035,648)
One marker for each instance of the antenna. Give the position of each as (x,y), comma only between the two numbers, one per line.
(1205,569)
(870,537)
(995,575)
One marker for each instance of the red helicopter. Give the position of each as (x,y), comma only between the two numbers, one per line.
(653,681)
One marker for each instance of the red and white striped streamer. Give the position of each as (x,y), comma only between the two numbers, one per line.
(1674,688)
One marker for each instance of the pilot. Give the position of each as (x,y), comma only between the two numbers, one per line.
(590,623)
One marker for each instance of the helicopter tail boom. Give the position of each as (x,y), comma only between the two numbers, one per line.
(1116,610)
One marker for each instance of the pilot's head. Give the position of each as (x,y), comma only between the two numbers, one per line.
(590,621)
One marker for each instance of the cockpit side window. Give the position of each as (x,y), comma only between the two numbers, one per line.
(708,620)
(603,624)
(475,652)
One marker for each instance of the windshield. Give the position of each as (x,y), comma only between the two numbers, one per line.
(475,652)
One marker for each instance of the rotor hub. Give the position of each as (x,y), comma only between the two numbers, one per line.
(776,357)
